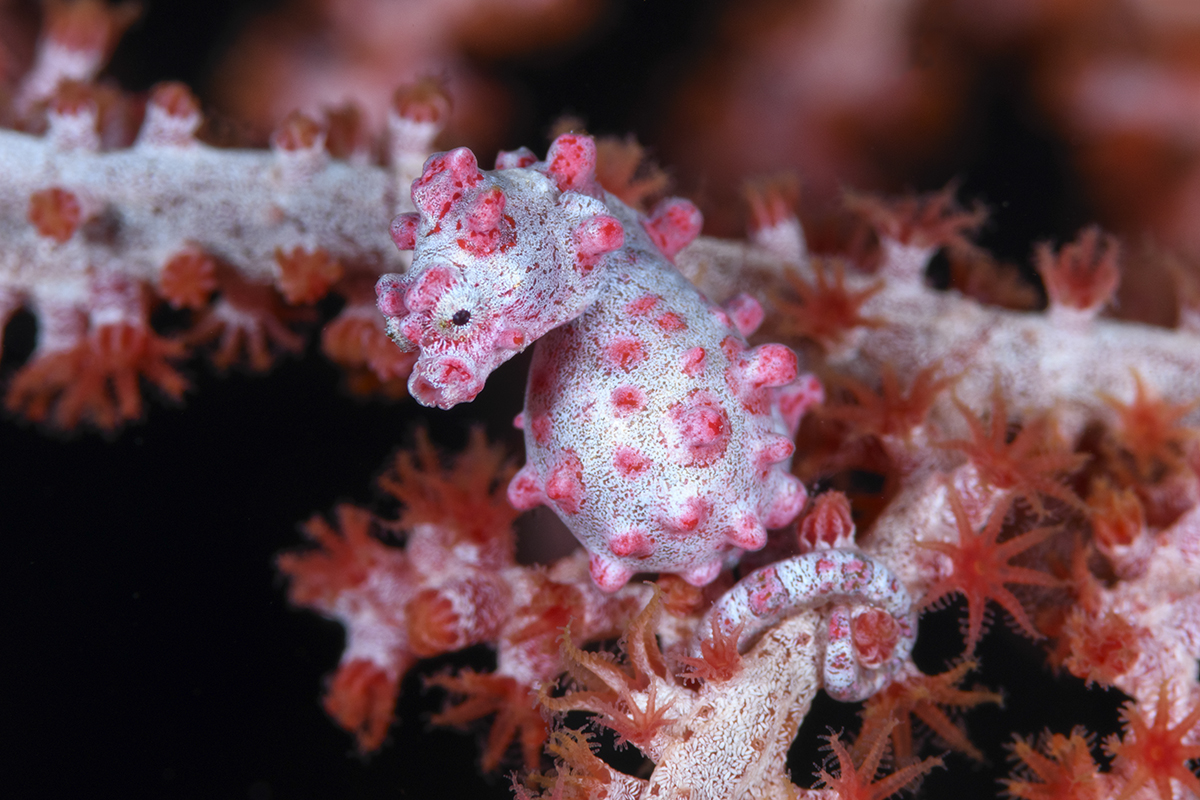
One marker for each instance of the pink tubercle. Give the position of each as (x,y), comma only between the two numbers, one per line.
(525,490)
(767,595)
(671,322)
(693,361)
(594,237)
(515,159)
(564,485)
(542,428)
(444,180)
(609,575)
(642,305)
(687,516)
(434,281)
(746,313)
(702,574)
(571,162)
(748,533)
(632,543)
(773,451)
(797,398)
(404,230)
(769,365)
(786,501)
(624,353)
(673,225)
(627,399)
(696,430)
(389,295)
(628,462)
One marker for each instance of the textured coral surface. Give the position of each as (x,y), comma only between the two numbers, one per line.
(1025,482)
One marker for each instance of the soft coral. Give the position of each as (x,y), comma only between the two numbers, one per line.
(1028,465)
(1063,766)
(826,311)
(979,568)
(858,782)
(355,578)
(615,699)
(916,694)
(1149,433)
(1154,752)
(516,717)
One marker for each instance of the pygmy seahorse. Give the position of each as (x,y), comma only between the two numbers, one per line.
(654,431)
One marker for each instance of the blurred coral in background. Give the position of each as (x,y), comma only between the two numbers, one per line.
(312,54)
(182,179)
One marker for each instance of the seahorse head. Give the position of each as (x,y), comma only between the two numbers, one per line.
(499,258)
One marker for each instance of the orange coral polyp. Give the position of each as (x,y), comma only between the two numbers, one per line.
(1083,274)
(772,200)
(1029,466)
(1154,753)
(345,556)
(890,412)
(857,782)
(719,657)
(922,696)
(1101,650)
(361,698)
(1149,430)
(305,276)
(517,719)
(433,626)
(1117,515)
(249,323)
(56,213)
(358,342)
(612,699)
(579,775)
(624,169)
(296,133)
(425,101)
(175,99)
(88,25)
(188,279)
(1063,765)
(826,310)
(925,220)
(468,499)
(98,380)
(980,569)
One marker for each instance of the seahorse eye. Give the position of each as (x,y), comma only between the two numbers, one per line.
(461,317)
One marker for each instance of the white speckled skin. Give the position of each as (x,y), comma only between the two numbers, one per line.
(621,389)
(653,430)
(845,581)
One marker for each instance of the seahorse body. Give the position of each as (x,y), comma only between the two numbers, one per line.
(658,436)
